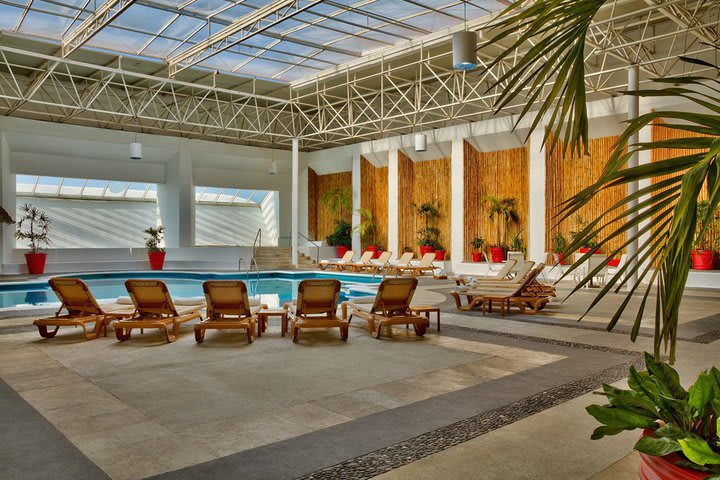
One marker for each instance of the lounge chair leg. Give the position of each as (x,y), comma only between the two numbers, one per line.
(123,334)
(42,329)
(344,333)
(295,332)
(199,335)
(377,330)
(420,329)
(249,334)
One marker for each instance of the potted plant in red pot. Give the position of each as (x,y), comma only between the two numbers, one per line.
(680,427)
(367,229)
(502,212)
(156,254)
(428,235)
(477,244)
(559,245)
(701,253)
(341,237)
(439,252)
(34,226)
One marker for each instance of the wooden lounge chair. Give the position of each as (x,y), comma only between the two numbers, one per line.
(380,264)
(340,264)
(403,261)
(228,308)
(502,275)
(154,308)
(391,306)
(81,307)
(425,265)
(363,263)
(316,307)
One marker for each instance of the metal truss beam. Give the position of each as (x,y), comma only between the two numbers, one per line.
(244,28)
(90,27)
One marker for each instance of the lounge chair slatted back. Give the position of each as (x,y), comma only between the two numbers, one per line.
(151,298)
(226,297)
(75,296)
(505,271)
(318,297)
(394,296)
(524,269)
(347,258)
(384,257)
(405,258)
(427,260)
(366,257)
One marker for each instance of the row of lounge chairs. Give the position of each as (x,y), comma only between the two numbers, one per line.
(383,264)
(228,307)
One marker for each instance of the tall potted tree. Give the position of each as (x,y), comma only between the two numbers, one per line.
(428,235)
(339,201)
(156,254)
(501,211)
(701,253)
(34,227)
(367,229)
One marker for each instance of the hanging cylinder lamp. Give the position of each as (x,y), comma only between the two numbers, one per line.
(464,46)
(420,142)
(136,150)
(273,167)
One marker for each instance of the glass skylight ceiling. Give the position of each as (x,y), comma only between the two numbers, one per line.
(229,196)
(326,35)
(38,186)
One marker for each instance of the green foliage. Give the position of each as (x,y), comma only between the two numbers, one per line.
(342,235)
(338,201)
(155,236)
(516,243)
(367,227)
(428,235)
(407,248)
(707,220)
(559,243)
(501,211)
(682,421)
(477,243)
(33,226)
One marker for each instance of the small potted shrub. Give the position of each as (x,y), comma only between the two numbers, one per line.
(477,244)
(34,227)
(156,254)
(701,252)
(501,211)
(407,249)
(428,235)
(341,237)
(439,251)
(367,229)
(559,245)
(516,243)
(679,437)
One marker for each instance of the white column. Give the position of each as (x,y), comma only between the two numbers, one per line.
(645,157)
(457,203)
(356,186)
(303,202)
(393,233)
(176,200)
(633,108)
(295,200)
(536,207)
(7,196)
(186,196)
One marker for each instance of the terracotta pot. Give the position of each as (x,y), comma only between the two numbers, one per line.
(614,262)
(664,468)
(157,260)
(716,260)
(426,249)
(439,254)
(341,250)
(374,249)
(477,256)
(36,262)
(702,259)
(497,254)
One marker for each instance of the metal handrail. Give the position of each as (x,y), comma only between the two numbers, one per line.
(314,242)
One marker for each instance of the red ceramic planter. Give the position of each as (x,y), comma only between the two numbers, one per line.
(426,249)
(374,249)
(157,260)
(439,254)
(614,262)
(476,257)
(561,258)
(586,250)
(702,259)
(36,262)
(342,250)
(664,468)
(497,254)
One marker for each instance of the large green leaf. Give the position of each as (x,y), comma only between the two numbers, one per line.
(657,446)
(698,451)
(701,393)
(615,417)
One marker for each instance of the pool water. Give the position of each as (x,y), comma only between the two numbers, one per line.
(273,288)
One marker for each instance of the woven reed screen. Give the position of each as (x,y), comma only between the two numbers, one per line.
(500,173)
(319,215)
(420,182)
(374,197)
(566,175)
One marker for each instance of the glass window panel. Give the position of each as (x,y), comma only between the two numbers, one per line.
(243,196)
(116,189)
(210,194)
(227,195)
(136,190)
(71,186)
(48,185)
(94,188)
(25,183)
(9,16)
(258,196)
(44,24)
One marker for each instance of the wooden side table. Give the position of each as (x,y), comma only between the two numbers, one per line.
(266,313)
(426,310)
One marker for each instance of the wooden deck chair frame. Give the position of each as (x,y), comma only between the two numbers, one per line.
(345,260)
(390,307)
(156,312)
(380,264)
(363,262)
(426,264)
(81,307)
(228,308)
(527,296)
(316,307)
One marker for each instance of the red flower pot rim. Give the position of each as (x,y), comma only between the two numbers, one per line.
(665,468)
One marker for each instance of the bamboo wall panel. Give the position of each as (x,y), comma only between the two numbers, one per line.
(501,173)
(312,203)
(325,221)
(421,182)
(374,197)
(566,175)
(660,132)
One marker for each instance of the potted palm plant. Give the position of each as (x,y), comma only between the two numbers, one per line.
(34,227)
(428,235)
(477,244)
(559,245)
(339,201)
(701,253)
(156,254)
(516,243)
(367,229)
(502,212)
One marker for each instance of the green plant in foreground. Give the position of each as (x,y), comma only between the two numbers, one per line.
(685,422)
(33,226)
(342,235)
(155,235)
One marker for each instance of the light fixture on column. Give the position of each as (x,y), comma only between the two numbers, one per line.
(420,142)
(136,150)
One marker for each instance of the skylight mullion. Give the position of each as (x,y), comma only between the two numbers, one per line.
(34,190)
(147,190)
(23,15)
(82,190)
(75,19)
(62,180)
(124,194)
(249,197)
(158,34)
(232,200)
